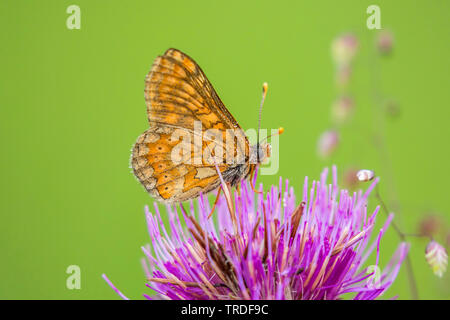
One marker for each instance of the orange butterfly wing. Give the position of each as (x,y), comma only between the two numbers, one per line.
(178,94)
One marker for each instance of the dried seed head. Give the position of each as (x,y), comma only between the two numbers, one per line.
(342,109)
(430,225)
(437,258)
(351,180)
(365,175)
(344,48)
(328,143)
(384,42)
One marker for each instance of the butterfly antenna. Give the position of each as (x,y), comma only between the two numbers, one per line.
(264,93)
(280,131)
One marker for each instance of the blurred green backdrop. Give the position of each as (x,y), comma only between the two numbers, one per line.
(72,106)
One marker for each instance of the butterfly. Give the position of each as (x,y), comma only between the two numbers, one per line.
(180,100)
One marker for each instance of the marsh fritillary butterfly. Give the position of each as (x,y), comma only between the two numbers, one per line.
(181,102)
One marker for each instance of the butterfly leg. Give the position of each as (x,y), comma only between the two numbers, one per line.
(215,202)
(254,190)
(252,177)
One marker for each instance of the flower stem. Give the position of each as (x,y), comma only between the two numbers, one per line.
(402,236)
(380,145)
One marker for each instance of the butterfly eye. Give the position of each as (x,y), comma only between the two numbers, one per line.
(268,150)
(261,153)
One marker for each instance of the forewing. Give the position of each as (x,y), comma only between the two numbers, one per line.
(178,93)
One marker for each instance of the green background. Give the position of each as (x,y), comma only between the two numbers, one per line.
(72,106)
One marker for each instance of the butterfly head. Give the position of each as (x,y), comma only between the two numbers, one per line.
(260,153)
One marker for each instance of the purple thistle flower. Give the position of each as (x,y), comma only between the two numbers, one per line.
(267,247)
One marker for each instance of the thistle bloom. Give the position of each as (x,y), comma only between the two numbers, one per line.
(268,247)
